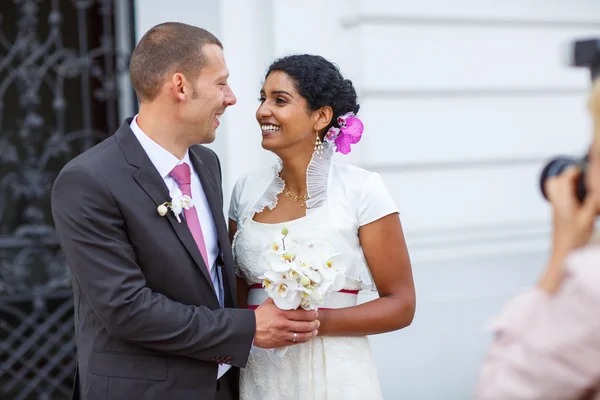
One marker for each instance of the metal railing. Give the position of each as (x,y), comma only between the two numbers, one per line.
(59,95)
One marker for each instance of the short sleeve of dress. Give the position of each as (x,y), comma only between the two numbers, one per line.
(375,201)
(234,203)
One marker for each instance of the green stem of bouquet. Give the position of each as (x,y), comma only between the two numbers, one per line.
(284,232)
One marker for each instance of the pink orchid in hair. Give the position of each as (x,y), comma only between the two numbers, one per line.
(349,132)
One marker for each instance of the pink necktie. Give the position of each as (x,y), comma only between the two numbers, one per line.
(181,174)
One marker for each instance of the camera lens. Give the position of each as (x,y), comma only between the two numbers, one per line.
(557,166)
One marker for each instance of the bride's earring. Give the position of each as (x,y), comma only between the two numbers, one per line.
(319,145)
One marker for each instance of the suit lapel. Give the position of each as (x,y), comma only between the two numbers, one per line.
(212,190)
(153,184)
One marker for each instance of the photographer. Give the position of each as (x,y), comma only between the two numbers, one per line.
(546,342)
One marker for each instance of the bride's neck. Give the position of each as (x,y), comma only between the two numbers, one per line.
(293,172)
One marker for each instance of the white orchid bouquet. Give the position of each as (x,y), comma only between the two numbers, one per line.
(300,273)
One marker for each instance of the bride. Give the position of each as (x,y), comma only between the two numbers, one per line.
(306,114)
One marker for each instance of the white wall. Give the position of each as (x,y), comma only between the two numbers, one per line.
(203,13)
(462,101)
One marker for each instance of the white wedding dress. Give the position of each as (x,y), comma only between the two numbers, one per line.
(342,198)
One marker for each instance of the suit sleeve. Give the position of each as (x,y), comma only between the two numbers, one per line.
(102,260)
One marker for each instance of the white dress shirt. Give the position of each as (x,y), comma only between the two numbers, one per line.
(164,162)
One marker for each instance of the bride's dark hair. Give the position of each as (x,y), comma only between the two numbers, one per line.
(320,82)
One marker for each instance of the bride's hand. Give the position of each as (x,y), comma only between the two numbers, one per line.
(278,328)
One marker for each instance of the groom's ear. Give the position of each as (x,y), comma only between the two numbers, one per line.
(324,115)
(178,86)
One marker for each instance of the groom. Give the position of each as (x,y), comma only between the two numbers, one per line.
(155,302)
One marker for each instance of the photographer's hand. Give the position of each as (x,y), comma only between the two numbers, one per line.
(573,224)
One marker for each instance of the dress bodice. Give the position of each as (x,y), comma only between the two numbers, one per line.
(342,198)
(254,237)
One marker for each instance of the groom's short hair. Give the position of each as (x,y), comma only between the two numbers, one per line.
(164,49)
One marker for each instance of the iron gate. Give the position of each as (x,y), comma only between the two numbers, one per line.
(62,90)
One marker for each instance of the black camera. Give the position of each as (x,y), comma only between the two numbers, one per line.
(586,53)
(558,165)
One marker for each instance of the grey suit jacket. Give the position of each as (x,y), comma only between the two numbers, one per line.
(148,322)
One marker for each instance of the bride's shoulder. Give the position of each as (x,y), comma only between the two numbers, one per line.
(363,191)
(345,168)
(255,190)
(351,177)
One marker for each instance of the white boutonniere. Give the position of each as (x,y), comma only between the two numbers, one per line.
(178,203)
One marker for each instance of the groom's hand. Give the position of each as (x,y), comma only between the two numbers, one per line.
(276,327)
